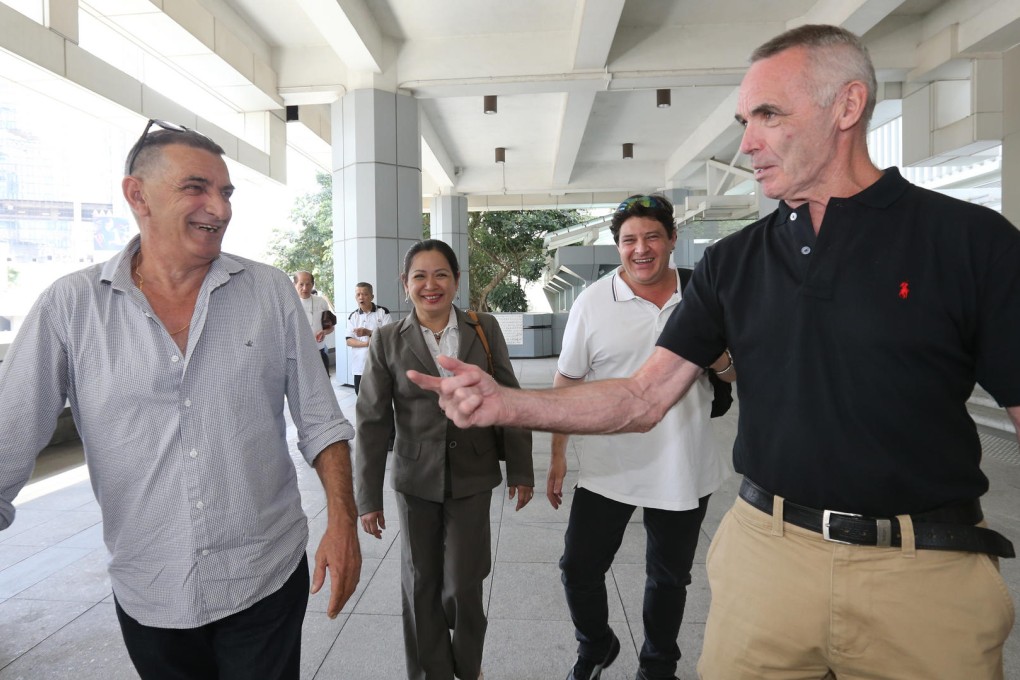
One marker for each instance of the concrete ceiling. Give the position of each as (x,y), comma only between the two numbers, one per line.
(576,79)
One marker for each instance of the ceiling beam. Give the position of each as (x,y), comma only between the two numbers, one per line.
(595,23)
(348,28)
(576,111)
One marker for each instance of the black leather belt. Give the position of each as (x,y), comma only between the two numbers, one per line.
(948,528)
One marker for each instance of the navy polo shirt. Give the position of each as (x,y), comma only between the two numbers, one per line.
(856,351)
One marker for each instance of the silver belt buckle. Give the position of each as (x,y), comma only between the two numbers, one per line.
(826,514)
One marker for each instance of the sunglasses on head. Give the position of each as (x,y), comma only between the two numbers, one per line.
(140,144)
(643,201)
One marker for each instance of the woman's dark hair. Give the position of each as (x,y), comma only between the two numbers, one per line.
(655,206)
(430,244)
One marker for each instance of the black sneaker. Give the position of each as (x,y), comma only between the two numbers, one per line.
(586,669)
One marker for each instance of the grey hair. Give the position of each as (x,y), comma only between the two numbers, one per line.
(838,56)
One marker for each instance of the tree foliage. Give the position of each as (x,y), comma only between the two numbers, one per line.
(311,247)
(505,248)
(506,251)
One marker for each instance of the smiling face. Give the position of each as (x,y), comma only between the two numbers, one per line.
(790,138)
(644,251)
(431,285)
(183,203)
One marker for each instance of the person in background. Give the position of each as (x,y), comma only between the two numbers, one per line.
(443,476)
(314,305)
(669,471)
(361,323)
(177,359)
(861,313)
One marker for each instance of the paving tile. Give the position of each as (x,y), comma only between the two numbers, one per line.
(382,593)
(369,647)
(12,554)
(530,542)
(88,648)
(64,525)
(26,623)
(87,581)
(538,650)
(72,497)
(318,635)
(31,570)
(533,591)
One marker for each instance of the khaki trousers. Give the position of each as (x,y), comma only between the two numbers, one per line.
(788,605)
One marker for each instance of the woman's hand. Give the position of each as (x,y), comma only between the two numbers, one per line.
(374,522)
(523,493)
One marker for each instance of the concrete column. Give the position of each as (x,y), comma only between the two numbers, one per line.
(450,224)
(1011,135)
(376,199)
(61,16)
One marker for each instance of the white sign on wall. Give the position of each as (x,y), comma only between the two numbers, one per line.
(512,326)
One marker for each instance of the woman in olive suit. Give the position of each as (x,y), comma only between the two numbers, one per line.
(443,476)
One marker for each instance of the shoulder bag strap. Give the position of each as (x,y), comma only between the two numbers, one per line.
(485,341)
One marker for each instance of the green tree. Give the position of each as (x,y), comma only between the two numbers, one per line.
(311,247)
(506,251)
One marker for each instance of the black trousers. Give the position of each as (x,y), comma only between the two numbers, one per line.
(262,641)
(594,534)
(325,359)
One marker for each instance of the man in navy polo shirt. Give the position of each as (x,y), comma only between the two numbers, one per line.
(860,314)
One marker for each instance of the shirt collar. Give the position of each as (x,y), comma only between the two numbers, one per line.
(117,270)
(622,292)
(880,194)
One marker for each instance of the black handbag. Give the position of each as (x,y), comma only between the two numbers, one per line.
(328,320)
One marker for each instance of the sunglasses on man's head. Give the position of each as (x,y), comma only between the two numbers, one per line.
(140,144)
(643,201)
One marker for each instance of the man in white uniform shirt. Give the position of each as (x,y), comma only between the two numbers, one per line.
(669,471)
(361,323)
(314,306)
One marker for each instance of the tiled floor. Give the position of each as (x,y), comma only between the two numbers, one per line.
(57,619)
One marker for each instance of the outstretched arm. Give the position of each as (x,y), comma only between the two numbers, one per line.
(635,404)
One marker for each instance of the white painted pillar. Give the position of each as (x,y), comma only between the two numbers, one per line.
(376,199)
(450,223)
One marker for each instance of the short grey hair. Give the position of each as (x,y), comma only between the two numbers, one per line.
(839,57)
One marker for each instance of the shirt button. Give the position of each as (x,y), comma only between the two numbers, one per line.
(175,358)
(187,402)
(806,250)
(453,445)
(205,552)
(200,505)
(193,453)
(793,217)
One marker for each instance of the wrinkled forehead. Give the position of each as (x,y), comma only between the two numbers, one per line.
(773,80)
(304,280)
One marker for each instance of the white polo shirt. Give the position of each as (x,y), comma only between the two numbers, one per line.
(609,334)
(371,320)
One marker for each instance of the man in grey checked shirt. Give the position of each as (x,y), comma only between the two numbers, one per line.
(176,360)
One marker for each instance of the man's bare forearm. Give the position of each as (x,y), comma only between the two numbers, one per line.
(334,468)
(634,404)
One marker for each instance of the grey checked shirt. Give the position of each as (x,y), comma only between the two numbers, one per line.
(187,453)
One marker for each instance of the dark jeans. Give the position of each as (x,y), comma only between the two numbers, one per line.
(262,641)
(594,534)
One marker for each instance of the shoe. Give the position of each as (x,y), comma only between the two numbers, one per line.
(585,669)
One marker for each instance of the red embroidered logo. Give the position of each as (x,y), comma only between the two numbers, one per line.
(904,289)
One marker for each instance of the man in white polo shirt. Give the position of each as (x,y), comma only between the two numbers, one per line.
(669,471)
(361,323)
